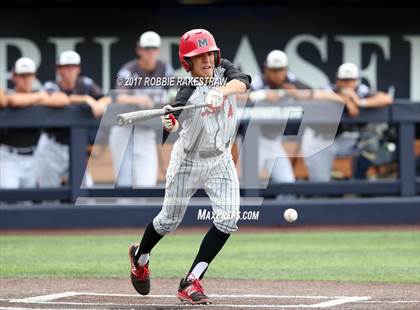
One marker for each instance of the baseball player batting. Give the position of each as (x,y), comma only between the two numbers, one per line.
(201,158)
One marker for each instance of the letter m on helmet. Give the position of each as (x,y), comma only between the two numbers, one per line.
(202,42)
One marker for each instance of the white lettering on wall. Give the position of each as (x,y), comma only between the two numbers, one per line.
(353,47)
(26,48)
(414,66)
(166,53)
(307,72)
(352,52)
(245,58)
(106,60)
(64,44)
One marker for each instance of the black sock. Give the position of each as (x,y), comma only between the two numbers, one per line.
(149,240)
(212,243)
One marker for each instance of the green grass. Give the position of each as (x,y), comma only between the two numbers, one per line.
(343,256)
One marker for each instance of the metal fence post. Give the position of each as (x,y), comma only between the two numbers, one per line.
(78,144)
(250,174)
(407,166)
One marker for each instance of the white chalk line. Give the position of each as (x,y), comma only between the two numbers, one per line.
(183,306)
(339,301)
(51,297)
(49,300)
(45,298)
(335,301)
(391,302)
(20,308)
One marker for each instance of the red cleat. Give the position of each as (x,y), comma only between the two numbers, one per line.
(191,291)
(140,275)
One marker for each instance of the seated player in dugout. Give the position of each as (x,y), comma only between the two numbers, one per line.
(17,145)
(349,86)
(276,83)
(276,77)
(136,163)
(201,158)
(356,96)
(73,88)
(52,154)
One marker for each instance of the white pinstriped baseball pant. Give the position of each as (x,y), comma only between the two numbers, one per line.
(216,175)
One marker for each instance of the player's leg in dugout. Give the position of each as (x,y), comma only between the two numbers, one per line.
(145,158)
(26,171)
(51,162)
(9,170)
(263,155)
(276,161)
(121,146)
(134,156)
(320,164)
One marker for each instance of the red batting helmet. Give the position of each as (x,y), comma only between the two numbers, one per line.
(195,42)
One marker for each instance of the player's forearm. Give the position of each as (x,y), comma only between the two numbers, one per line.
(142,101)
(78,99)
(104,100)
(23,100)
(299,94)
(379,100)
(352,107)
(126,99)
(233,87)
(326,95)
(56,100)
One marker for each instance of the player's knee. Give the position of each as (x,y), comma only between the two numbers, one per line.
(227,225)
(164,225)
(227,228)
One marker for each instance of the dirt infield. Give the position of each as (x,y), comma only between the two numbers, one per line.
(226,294)
(54,293)
(190,230)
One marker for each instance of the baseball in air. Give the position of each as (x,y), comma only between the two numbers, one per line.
(290,215)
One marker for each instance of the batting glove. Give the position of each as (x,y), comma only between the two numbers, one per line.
(214,100)
(169,122)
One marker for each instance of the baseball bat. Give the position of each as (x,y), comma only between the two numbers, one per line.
(144,115)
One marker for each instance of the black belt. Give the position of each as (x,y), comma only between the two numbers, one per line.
(210,153)
(21,150)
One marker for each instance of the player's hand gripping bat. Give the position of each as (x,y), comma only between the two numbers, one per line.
(144,115)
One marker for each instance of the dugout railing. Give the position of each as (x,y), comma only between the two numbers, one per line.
(78,119)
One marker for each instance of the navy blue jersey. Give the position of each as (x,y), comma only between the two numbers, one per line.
(19,137)
(84,86)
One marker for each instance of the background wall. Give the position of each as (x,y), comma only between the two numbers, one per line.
(383,40)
